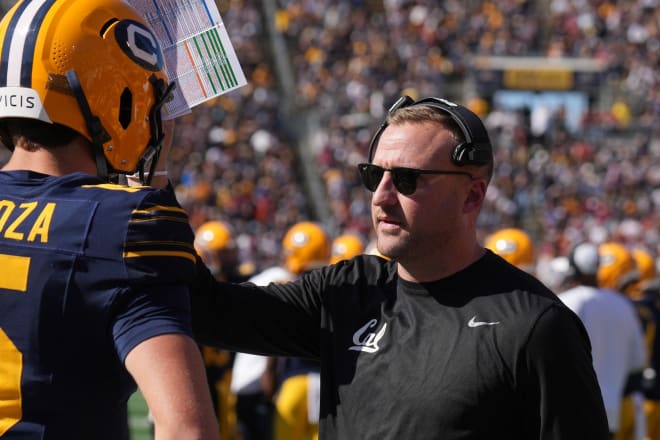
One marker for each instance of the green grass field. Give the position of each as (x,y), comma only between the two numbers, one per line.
(138,423)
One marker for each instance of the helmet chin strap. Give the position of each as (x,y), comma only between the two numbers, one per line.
(94,126)
(152,152)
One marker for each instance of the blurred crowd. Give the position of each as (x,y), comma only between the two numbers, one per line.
(236,158)
(233,159)
(236,161)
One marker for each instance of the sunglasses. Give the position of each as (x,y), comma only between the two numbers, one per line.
(405,179)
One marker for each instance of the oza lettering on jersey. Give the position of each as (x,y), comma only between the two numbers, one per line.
(29,221)
(39,226)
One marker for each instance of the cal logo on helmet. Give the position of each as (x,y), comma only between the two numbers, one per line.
(139,44)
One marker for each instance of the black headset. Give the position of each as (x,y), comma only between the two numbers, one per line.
(475,150)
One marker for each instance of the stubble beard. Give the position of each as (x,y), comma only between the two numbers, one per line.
(396,247)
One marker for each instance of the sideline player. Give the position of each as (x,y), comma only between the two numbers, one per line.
(617,344)
(215,244)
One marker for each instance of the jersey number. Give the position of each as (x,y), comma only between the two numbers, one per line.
(11,364)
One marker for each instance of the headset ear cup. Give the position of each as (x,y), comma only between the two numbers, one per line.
(466,153)
(461,154)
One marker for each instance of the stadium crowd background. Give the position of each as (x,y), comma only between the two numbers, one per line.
(321,74)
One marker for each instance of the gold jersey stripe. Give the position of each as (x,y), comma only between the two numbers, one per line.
(114,187)
(159,208)
(139,254)
(160,218)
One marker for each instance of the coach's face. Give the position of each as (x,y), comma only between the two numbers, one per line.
(413,229)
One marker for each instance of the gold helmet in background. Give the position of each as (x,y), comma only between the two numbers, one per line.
(617,268)
(345,247)
(646,269)
(215,245)
(213,236)
(646,265)
(306,246)
(514,245)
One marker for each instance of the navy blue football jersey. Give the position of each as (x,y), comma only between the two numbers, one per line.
(88,271)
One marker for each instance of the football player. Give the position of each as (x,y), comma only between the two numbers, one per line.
(514,245)
(306,246)
(93,275)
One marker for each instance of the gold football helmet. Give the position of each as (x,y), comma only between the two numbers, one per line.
(514,245)
(645,264)
(617,268)
(213,236)
(345,247)
(306,246)
(215,245)
(94,66)
(646,268)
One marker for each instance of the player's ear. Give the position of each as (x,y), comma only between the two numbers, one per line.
(475,196)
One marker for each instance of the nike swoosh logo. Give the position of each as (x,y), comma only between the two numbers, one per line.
(474,323)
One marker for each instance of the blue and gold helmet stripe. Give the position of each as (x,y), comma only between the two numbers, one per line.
(6,44)
(18,47)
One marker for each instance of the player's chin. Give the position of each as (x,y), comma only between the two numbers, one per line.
(391,246)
